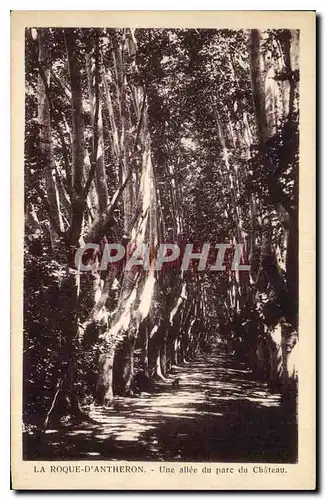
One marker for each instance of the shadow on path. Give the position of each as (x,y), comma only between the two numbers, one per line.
(218,413)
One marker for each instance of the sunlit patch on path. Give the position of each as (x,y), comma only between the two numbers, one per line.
(218,412)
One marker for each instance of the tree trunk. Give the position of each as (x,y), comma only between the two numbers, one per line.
(44,118)
(123,367)
(289,346)
(78,147)
(100,174)
(258,83)
(67,402)
(104,388)
(158,366)
(143,336)
(70,289)
(274,381)
(164,359)
(175,352)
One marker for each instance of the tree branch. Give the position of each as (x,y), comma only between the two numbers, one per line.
(96,117)
(59,385)
(46,203)
(105,219)
(61,85)
(140,120)
(66,161)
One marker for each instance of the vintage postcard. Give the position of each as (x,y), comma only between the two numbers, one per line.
(163,250)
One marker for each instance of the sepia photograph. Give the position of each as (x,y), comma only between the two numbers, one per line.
(160,282)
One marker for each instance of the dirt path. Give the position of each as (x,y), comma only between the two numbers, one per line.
(218,413)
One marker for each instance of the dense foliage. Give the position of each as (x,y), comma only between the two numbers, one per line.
(158,135)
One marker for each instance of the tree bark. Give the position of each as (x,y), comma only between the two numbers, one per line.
(123,367)
(104,388)
(100,173)
(78,146)
(44,118)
